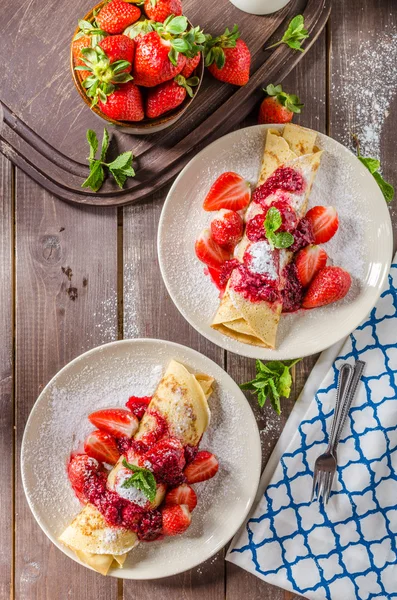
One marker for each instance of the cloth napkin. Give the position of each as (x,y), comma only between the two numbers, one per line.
(348,549)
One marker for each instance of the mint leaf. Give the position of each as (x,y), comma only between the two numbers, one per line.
(283,239)
(123,160)
(96,176)
(105,144)
(272,223)
(93,143)
(294,35)
(273,381)
(141,479)
(373,166)
(386,188)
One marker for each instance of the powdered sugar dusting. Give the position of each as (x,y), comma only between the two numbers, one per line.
(261,259)
(112,374)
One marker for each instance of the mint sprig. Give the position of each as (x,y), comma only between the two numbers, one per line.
(373,166)
(273,380)
(294,35)
(272,223)
(290,101)
(141,479)
(120,167)
(182,41)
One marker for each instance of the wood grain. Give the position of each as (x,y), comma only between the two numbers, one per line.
(6,378)
(59,315)
(308,80)
(149,312)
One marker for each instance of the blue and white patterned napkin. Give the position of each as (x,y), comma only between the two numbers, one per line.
(348,550)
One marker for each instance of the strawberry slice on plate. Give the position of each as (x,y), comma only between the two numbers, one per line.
(102,447)
(80,468)
(119,422)
(176,519)
(230,190)
(324,221)
(209,252)
(183,494)
(308,262)
(203,467)
(329,285)
(227,228)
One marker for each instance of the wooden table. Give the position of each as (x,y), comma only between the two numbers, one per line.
(113,289)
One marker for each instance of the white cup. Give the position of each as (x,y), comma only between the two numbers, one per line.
(260,7)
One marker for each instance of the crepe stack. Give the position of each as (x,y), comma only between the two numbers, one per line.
(181,398)
(256,323)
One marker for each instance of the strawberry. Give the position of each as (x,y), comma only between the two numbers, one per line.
(166,459)
(80,468)
(183,494)
(176,519)
(329,285)
(124,104)
(159,10)
(324,221)
(227,228)
(102,447)
(228,191)
(83,41)
(209,252)
(116,421)
(308,262)
(191,64)
(138,405)
(278,106)
(168,95)
(116,15)
(203,467)
(216,277)
(118,47)
(158,55)
(228,57)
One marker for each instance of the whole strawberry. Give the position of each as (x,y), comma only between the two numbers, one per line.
(84,41)
(278,106)
(191,64)
(228,57)
(169,95)
(118,47)
(124,104)
(329,285)
(161,55)
(159,10)
(115,16)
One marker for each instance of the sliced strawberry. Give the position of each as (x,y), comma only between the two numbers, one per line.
(138,405)
(176,519)
(308,262)
(228,191)
(80,468)
(183,494)
(216,277)
(116,421)
(227,228)
(102,447)
(209,252)
(203,467)
(329,285)
(324,221)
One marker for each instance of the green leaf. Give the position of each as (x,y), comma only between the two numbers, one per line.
(179,44)
(93,143)
(177,25)
(105,144)
(96,177)
(372,164)
(142,479)
(386,188)
(285,382)
(173,56)
(294,34)
(273,220)
(283,239)
(123,160)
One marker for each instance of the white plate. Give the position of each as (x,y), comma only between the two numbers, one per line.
(363,244)
(108,376)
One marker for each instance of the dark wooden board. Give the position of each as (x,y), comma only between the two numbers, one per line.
(43,132)
(57,318)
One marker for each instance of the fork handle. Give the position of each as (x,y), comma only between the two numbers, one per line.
(345,377)
(352,388)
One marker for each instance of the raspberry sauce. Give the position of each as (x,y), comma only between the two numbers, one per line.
(285,179)
(292,294)
(255,287)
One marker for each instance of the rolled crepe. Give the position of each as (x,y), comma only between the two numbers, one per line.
(256,323)
(181,398)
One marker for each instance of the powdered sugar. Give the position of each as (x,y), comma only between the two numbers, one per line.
(261,259)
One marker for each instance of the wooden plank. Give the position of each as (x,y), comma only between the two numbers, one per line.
(363,60)
(150,312)
(60,313)
(6,378)
(308,80)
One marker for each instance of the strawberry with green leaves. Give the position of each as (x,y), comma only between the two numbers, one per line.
(169,95)
(278,106)
(159,10)
(140,27)
(191,65)
(160,55)
(116,15)
(83,41)
(124,104)
(228,57)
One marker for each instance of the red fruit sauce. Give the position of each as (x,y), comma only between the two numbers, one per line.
(303,235)
(138,405)
(292,294)
(285,179)
(255,287)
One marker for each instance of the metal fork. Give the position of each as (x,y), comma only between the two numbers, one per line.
(325,465)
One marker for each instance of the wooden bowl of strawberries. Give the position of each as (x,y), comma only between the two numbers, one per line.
(137,69)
